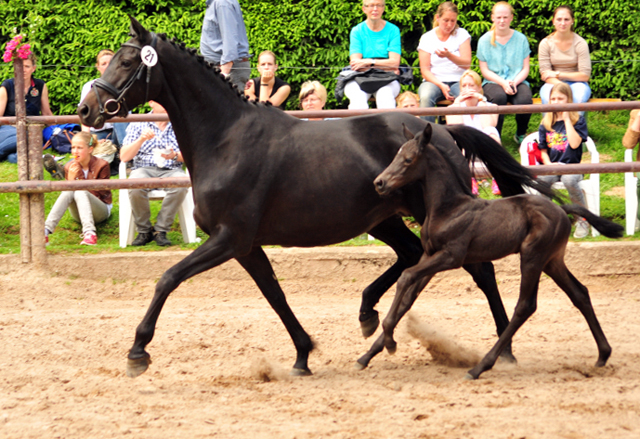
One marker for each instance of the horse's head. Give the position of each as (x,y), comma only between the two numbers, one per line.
(404,168)
(132,78)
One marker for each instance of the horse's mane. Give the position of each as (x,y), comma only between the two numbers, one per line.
(215,70)
(453,167)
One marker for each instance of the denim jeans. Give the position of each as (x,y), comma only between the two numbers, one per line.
(8,143)
(430,94)
(571,182)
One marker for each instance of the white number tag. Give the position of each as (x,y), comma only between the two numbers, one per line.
(149,56)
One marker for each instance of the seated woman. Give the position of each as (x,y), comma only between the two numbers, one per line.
(560,139)
(471,96)
(445,53)
(36,96)
(313,96)
(374,43)
(408,99)
(503,54)
(268,87)
(88,207)
(629,141)
(564,57)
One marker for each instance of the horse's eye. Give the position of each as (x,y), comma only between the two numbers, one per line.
(408,160)
(126,63)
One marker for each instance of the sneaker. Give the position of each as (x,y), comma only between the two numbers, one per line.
(582,229)
(89,238)
(518,138)
(53,167)
(494,188)
(143,239)
(474,186)
(161,239)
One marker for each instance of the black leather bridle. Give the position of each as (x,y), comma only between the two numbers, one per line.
(118,99)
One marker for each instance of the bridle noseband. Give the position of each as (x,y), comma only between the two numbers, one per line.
(119,100)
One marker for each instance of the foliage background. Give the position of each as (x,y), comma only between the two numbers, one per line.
(310,37)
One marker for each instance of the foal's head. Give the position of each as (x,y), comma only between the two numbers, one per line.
(406,165)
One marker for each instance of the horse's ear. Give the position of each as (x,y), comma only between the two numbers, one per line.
(407,134)
(426,134)
(136,30)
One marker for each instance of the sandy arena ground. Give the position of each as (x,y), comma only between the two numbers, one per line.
(221,357)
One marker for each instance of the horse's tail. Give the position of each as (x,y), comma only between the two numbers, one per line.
(602,225)
(510,175)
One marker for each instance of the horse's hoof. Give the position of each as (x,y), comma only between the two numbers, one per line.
(508,357)
(469,377)
(300,372)
(601,363)
(360,366)
(137,367)
(370,325)
(391,348)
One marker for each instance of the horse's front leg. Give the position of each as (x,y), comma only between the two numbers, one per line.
(213,252)
(407,246)
(258,266)
(410,284)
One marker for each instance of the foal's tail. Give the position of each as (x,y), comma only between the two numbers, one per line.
(510,175)
(602,225)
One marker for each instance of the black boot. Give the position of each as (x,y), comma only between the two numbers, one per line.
(143,239)
(161,239)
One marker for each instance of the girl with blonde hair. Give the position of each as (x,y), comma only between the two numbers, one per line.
(560,139)
(88,207)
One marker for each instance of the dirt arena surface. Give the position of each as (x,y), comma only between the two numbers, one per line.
(221,357)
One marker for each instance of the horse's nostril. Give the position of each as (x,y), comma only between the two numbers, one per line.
(83,110)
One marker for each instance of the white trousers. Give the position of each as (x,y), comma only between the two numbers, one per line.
(358,99)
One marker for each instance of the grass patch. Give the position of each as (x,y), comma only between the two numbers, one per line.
(605,128)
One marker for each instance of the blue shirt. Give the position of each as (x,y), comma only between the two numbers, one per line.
(372,44)
(224,36)
(145,157)
(505,60)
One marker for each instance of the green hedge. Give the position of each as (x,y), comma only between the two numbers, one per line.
(310,37)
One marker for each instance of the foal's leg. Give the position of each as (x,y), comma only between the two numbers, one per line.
(526,306)
(213,252)
(407,246)
(484,276)
(579,295)
(379,344)
(258,266)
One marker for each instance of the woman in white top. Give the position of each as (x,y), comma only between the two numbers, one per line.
(445,53)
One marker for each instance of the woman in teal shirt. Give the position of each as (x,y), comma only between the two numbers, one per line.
(504,62)
(374,43)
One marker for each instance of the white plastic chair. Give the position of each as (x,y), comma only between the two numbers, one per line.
(590,186)
(128,225)
(630,197)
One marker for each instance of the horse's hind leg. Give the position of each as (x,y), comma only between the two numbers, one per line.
(213,252)
(526,306)
(407,246)
(258,266)
(484,276)
(579,295)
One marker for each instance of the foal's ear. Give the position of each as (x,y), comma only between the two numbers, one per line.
(136,29)
(407,134)
(426,135)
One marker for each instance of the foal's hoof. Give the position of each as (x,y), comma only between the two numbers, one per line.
(370,325)
(137,367)
(508,357)
(300,372)
(360,366)
(469,377)
(391,347)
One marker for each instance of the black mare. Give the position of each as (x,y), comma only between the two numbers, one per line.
(461,229)
(261,177)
